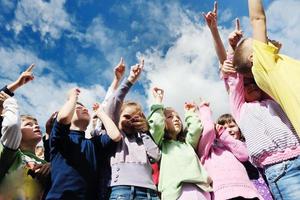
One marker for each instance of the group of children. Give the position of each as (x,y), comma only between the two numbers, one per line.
(252,153)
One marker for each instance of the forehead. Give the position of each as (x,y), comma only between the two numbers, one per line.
(170,112)
(28,120)
(79,106)
(129,109)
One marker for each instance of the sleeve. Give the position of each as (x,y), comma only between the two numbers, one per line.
(47,148)
(264,56)
(116,100)
(11,125)
(7,91)
(208,135)
(236,94)
(194,128)
(108,95)
(156,122)
(104,140)
(7,158)
(59,135)
(236,147)
(152,149)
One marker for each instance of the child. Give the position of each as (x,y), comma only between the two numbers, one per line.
(181,174)
(228,122)
(32,172)
(276,74)
(75,160)
(270,137)
(131,160)
(219,153)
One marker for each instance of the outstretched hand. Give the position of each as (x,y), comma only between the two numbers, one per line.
(119,70)
(24,78)
(136,71)
(227,68)
(190,107)
(203,103)
(73,93)
(235,36)
(158,94)
(211,17)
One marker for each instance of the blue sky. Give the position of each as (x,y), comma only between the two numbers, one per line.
(77,44)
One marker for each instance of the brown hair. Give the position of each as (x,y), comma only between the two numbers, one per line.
(240,58)
(181,135)
(227,119)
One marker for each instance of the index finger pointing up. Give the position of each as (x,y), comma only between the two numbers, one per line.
(237,24)
(215,7)
(29,69)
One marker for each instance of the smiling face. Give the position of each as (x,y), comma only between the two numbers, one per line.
(31,133)
(81,116)
(173,123)
(233,130)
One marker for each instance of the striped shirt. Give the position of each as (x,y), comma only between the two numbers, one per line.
(270,136)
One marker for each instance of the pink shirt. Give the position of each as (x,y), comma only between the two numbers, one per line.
(222,159)
(270,136)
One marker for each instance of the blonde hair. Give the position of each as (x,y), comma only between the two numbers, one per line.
(241,56)
(28,117)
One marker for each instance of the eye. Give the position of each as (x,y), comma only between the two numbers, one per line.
(127,116)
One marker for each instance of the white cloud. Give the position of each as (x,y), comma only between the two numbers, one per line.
(46,17)
(44,94)
(188,69)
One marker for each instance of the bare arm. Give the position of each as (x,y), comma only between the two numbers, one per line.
(212,23)
(111,129)
(66,112)
(258,20)
(24,78)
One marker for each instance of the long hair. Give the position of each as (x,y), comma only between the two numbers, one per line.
(181,135)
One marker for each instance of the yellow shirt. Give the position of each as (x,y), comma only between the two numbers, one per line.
(279,76)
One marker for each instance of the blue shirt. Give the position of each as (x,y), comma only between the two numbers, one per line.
(75,163)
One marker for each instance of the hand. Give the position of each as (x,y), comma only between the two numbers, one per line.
(219,130)
(73,93)
(211,17)
(3,97)
(120,70)
(96,106)
(190,107)
(135,72)
(227,68)
(42,172)
(158,94)
(235,36)
(26,76)
(203,103)
(275,43)
(140,124)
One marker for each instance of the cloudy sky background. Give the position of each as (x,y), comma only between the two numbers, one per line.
(78,43)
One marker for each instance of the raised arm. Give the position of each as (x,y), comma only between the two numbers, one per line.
(11,138)
(209,134)
(115,102)
(235,84)
(119,71)
(11,132)
(258,20)
(65,114)
(156,118)
(194,125)
(24,78)
(211,19)
(236,147)
(111,129)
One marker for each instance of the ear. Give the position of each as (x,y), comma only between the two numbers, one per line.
(250,58)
